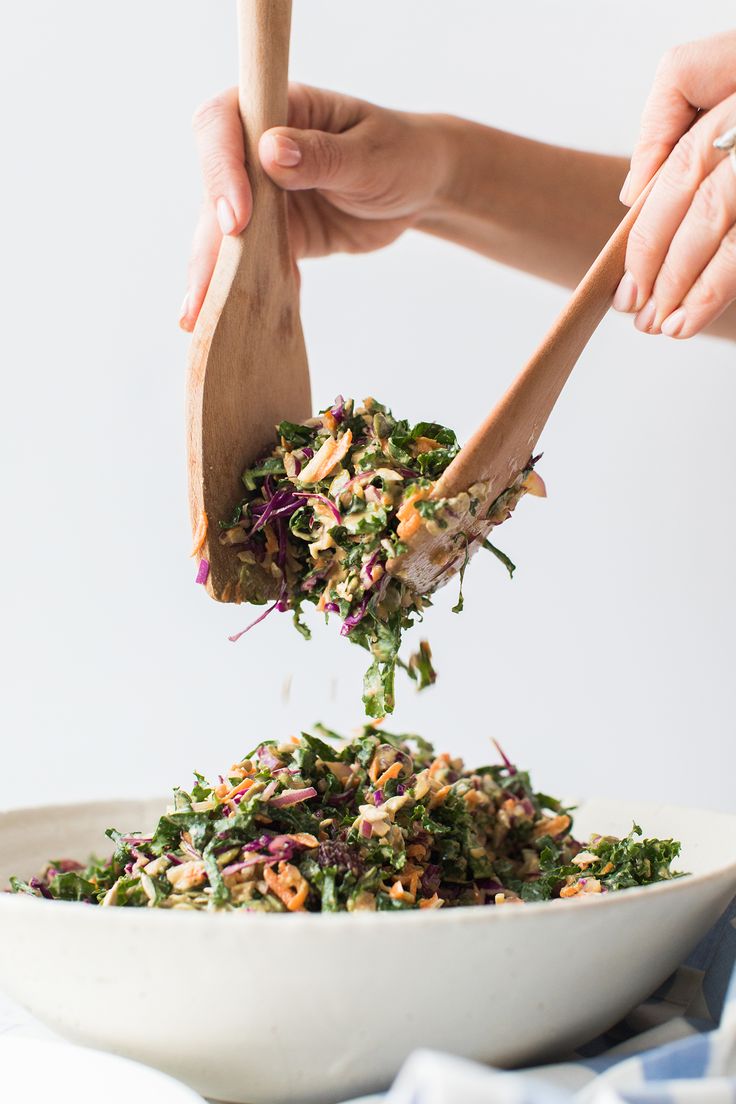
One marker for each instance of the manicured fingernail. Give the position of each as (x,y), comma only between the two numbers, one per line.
(183,313)
(624,194)
(673,325)
(626,293)
(645,318)
(225,215)
(284,151)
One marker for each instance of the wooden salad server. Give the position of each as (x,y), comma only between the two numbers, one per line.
(248,364)
(501,448)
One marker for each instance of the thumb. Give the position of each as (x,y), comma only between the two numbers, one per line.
(690,79)
(300,159)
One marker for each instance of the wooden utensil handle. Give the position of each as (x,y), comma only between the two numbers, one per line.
(513,427)
(596,290)
(263,95)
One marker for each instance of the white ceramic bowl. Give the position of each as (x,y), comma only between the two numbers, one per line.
(247,1007)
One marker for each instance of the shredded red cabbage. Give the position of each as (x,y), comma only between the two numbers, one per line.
(263,616)
(267,757)
(507,762)
(354,618)
(322,498)
(292,797)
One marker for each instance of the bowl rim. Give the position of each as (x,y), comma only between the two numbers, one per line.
(468,914)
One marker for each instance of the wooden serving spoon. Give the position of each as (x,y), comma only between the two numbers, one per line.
(248,364)
(501,448)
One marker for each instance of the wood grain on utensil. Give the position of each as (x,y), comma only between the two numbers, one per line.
(248,364)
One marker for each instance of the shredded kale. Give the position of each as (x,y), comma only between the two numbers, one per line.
(337,499)
(375,823)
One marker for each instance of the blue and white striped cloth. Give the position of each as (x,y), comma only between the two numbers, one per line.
(679,1047)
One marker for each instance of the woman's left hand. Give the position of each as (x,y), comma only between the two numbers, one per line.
(681,257)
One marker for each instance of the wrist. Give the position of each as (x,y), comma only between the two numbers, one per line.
(449,136)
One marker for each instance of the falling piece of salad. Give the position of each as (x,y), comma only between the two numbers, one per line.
(376,823)
(337,498)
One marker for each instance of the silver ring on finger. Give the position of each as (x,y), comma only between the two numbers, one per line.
(727,143)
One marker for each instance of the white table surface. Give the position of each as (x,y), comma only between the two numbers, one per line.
(14,1020)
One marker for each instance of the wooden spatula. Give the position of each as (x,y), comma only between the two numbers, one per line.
(248,365)
(500,450)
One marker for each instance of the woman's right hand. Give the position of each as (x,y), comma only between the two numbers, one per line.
(681,256)
(357,177)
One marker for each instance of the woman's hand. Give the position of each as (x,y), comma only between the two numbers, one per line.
(681,258)
(358,176)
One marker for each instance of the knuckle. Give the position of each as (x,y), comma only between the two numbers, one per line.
(300,110)
(217,169)
(672,59)
(641,242)
(668,285)
(708,294)
(326,155)
(728,249)
(685,161)
(708,203)
(208,112)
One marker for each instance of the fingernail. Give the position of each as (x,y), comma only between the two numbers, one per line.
(624,194)
(184,311)
(646,316)
(284,151)
(225,215)
(674,324)
(626,293)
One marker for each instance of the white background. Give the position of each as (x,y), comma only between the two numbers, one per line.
(607,665)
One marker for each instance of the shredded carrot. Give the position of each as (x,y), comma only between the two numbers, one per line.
(288,885)
(297,901)
(554,827)
(534,485)
(407,506)
(407,514)
(241,788)
(326,458)
(408,872)
(426,444)
(388,774)
(440,762)
(430,902)
(200,534)
(295,740)
(398,893)
(439,797)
